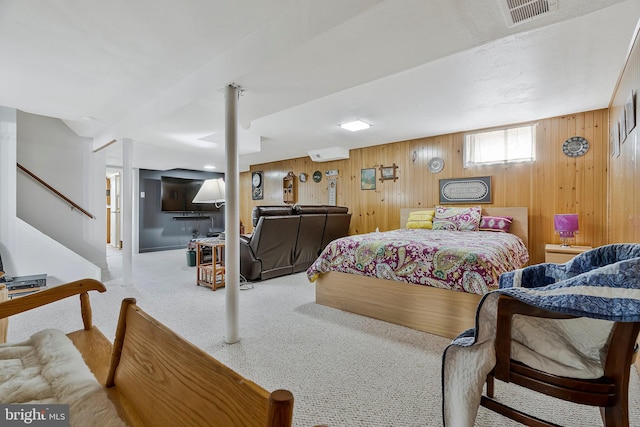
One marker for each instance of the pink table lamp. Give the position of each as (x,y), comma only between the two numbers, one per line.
(566,225)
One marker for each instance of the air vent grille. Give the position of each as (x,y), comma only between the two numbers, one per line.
(518,11)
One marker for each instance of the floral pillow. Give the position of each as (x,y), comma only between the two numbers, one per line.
(495,223)
(461,219)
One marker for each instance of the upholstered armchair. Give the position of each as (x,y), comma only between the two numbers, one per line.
(565,330)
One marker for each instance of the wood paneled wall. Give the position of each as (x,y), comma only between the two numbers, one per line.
(624,175)
(554,183)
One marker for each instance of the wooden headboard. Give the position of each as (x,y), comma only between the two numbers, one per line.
(519,225)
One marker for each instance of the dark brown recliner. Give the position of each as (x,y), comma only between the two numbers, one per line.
(269,253)
(288,239)
(337,225)
(310,232)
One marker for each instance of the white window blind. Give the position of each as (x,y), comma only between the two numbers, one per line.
(508,145)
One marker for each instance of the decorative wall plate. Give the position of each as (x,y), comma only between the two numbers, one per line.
(303,177)
(575,146)
(436,164)
(317,176)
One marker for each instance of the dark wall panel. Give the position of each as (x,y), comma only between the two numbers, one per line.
(172,230)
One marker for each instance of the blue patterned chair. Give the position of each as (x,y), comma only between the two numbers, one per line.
(615,268)
(539,275)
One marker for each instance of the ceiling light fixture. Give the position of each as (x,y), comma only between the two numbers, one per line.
(209,167)
(355,125)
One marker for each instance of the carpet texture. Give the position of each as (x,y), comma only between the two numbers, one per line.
(343,369)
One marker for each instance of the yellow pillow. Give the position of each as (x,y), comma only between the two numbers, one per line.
(431,212)
(420,219)
(421,214)
(420,224)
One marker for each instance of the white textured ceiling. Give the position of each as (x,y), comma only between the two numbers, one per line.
(154,70)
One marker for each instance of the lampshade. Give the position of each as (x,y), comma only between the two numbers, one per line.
(566,225)
(212,191)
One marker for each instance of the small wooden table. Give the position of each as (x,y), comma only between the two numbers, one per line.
(210,274)
(560,254)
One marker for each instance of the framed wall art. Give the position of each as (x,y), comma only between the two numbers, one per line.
(388,172)
(333,184)
(614,139)
(368,179)
(630,113)
(466,190)
(623,126)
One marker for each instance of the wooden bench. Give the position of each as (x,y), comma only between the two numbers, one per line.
(154,377)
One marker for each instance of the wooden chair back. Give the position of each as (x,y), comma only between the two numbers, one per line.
(609,392)
(154,371)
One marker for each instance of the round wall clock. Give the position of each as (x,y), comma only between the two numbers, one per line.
(303,177)
(436,164)
(256,179)
(575,146)
(317,176)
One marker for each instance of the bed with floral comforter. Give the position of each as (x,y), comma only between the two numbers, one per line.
(457,260)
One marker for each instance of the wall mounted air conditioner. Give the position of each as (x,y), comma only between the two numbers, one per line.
(329,154)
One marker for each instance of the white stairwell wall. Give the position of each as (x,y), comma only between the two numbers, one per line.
(29,248)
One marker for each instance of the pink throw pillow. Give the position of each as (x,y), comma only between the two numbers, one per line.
(495,223)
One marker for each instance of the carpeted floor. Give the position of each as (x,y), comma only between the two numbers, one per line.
(343,369)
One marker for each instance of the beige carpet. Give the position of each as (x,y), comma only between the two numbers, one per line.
(343,369)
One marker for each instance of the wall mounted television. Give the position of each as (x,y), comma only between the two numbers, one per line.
(176,195)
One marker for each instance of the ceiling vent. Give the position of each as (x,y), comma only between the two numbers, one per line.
(519,11)
(328,154)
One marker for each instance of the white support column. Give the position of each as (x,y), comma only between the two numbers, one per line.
(127,211)
(232,216)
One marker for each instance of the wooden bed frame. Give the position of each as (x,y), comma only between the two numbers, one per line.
(155,377)
(437,311)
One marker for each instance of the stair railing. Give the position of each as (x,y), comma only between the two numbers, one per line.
(54,191)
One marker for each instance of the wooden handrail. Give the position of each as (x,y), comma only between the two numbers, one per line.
(54,191)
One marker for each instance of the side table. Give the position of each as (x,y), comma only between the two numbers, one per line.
(560,254)
(210,274)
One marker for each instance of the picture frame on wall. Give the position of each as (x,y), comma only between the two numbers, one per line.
(388,172)
(615,140)
(630,113)
(368,179)
(333,184)
(623,128)
(465,190)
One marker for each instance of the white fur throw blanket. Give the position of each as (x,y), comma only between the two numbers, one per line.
(48,369)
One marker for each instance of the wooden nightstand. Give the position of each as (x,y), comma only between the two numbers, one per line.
(559,254)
